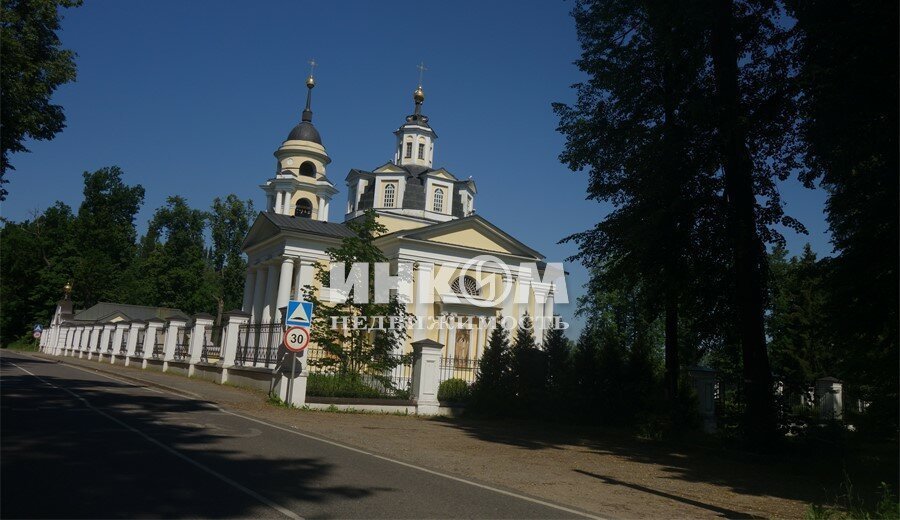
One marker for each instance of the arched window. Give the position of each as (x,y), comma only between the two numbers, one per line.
(304,208)
(438,203)
(408,151)
(308,169)
(421,150)
(390,195)
(467,284)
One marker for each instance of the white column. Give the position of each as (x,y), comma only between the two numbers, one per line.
(284,287)
(325,213)
(320,208)
(172,328)
(540,299)
(451,339)
(305,276)
(259,294)
(548,306)
(420,306)
(198,339)
(287,203)
(249,282)
(279,201)
(476,341)
(509,301)
(105,337)
(269,300)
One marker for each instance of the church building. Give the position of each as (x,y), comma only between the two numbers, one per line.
(431,220)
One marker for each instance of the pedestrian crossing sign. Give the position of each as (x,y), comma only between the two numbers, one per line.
(299,314)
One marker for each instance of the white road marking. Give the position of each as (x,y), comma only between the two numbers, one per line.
(388,459)
(286,512)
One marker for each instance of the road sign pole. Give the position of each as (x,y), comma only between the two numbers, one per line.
(290,389)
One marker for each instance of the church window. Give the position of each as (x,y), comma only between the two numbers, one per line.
(421,150)
(308,169)
(438,203)
(467,284)
(304,208)
(390,193)
(408,150)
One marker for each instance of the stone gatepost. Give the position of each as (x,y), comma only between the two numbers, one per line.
(426,375)
(830,398)
(134,328)
(202,322)
(173,325)
(703,380)
(154,325)
(234,320)
(120,333)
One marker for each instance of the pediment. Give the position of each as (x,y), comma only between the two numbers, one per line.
(475,233)
(261,230)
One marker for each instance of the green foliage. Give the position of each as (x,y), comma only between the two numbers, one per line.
(454,390)
(34,65)
(105,235)
(340,385)
(357,350)
(528,367)
(229,222)
(848,76)
(493,388)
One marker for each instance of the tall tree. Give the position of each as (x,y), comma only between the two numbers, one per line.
(754,124)
(637,128)
(493,389)
(173,262)
(36,260)
(229,221)
(34,65)
(106,235)
(848,54)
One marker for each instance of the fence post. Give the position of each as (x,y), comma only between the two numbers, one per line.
(426,375)
(131,340)
(202,322)
(830,398)
(121,329)
(153,327)
(230,342)
(94,340)
(172,326)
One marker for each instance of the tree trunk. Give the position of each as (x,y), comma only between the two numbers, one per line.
(749,260)
(671,348)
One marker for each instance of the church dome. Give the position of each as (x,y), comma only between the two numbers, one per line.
(305,131)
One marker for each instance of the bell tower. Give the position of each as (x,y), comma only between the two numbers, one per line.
(300,187)
(415,139)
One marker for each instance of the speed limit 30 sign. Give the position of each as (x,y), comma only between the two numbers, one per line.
(296,338)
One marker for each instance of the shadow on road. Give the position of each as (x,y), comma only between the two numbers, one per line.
(59,455)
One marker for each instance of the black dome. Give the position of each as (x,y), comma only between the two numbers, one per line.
(305,131)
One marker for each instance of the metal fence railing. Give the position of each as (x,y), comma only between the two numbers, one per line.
(123,343)
(459,368)
(182,344)
(258,344)
(344,376)
(159,347)
(140,342)
(212,344)
(109,343)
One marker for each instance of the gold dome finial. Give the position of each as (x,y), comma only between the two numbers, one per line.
(419,95)
(67,289)
(310,81)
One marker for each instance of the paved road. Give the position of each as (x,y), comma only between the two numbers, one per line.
(79,444)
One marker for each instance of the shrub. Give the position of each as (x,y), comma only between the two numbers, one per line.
(453,390)
(339,385)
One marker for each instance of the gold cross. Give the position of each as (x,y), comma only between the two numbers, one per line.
(422,70)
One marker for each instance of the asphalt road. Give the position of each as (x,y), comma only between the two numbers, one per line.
(77,444)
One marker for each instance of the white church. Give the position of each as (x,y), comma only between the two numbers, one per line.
(430,218)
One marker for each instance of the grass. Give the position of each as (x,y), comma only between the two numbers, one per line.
(849,503)
(341,385)
(24,345)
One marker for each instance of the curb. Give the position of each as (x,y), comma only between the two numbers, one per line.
(129,378)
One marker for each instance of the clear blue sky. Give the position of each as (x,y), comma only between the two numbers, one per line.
(192,98)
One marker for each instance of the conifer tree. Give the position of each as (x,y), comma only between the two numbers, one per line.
(492,389)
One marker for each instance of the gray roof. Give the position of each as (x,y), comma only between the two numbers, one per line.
(308,225)
(305,131)
(413,194)
(134,312)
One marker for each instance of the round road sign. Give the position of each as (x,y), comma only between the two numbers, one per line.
(296,339)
